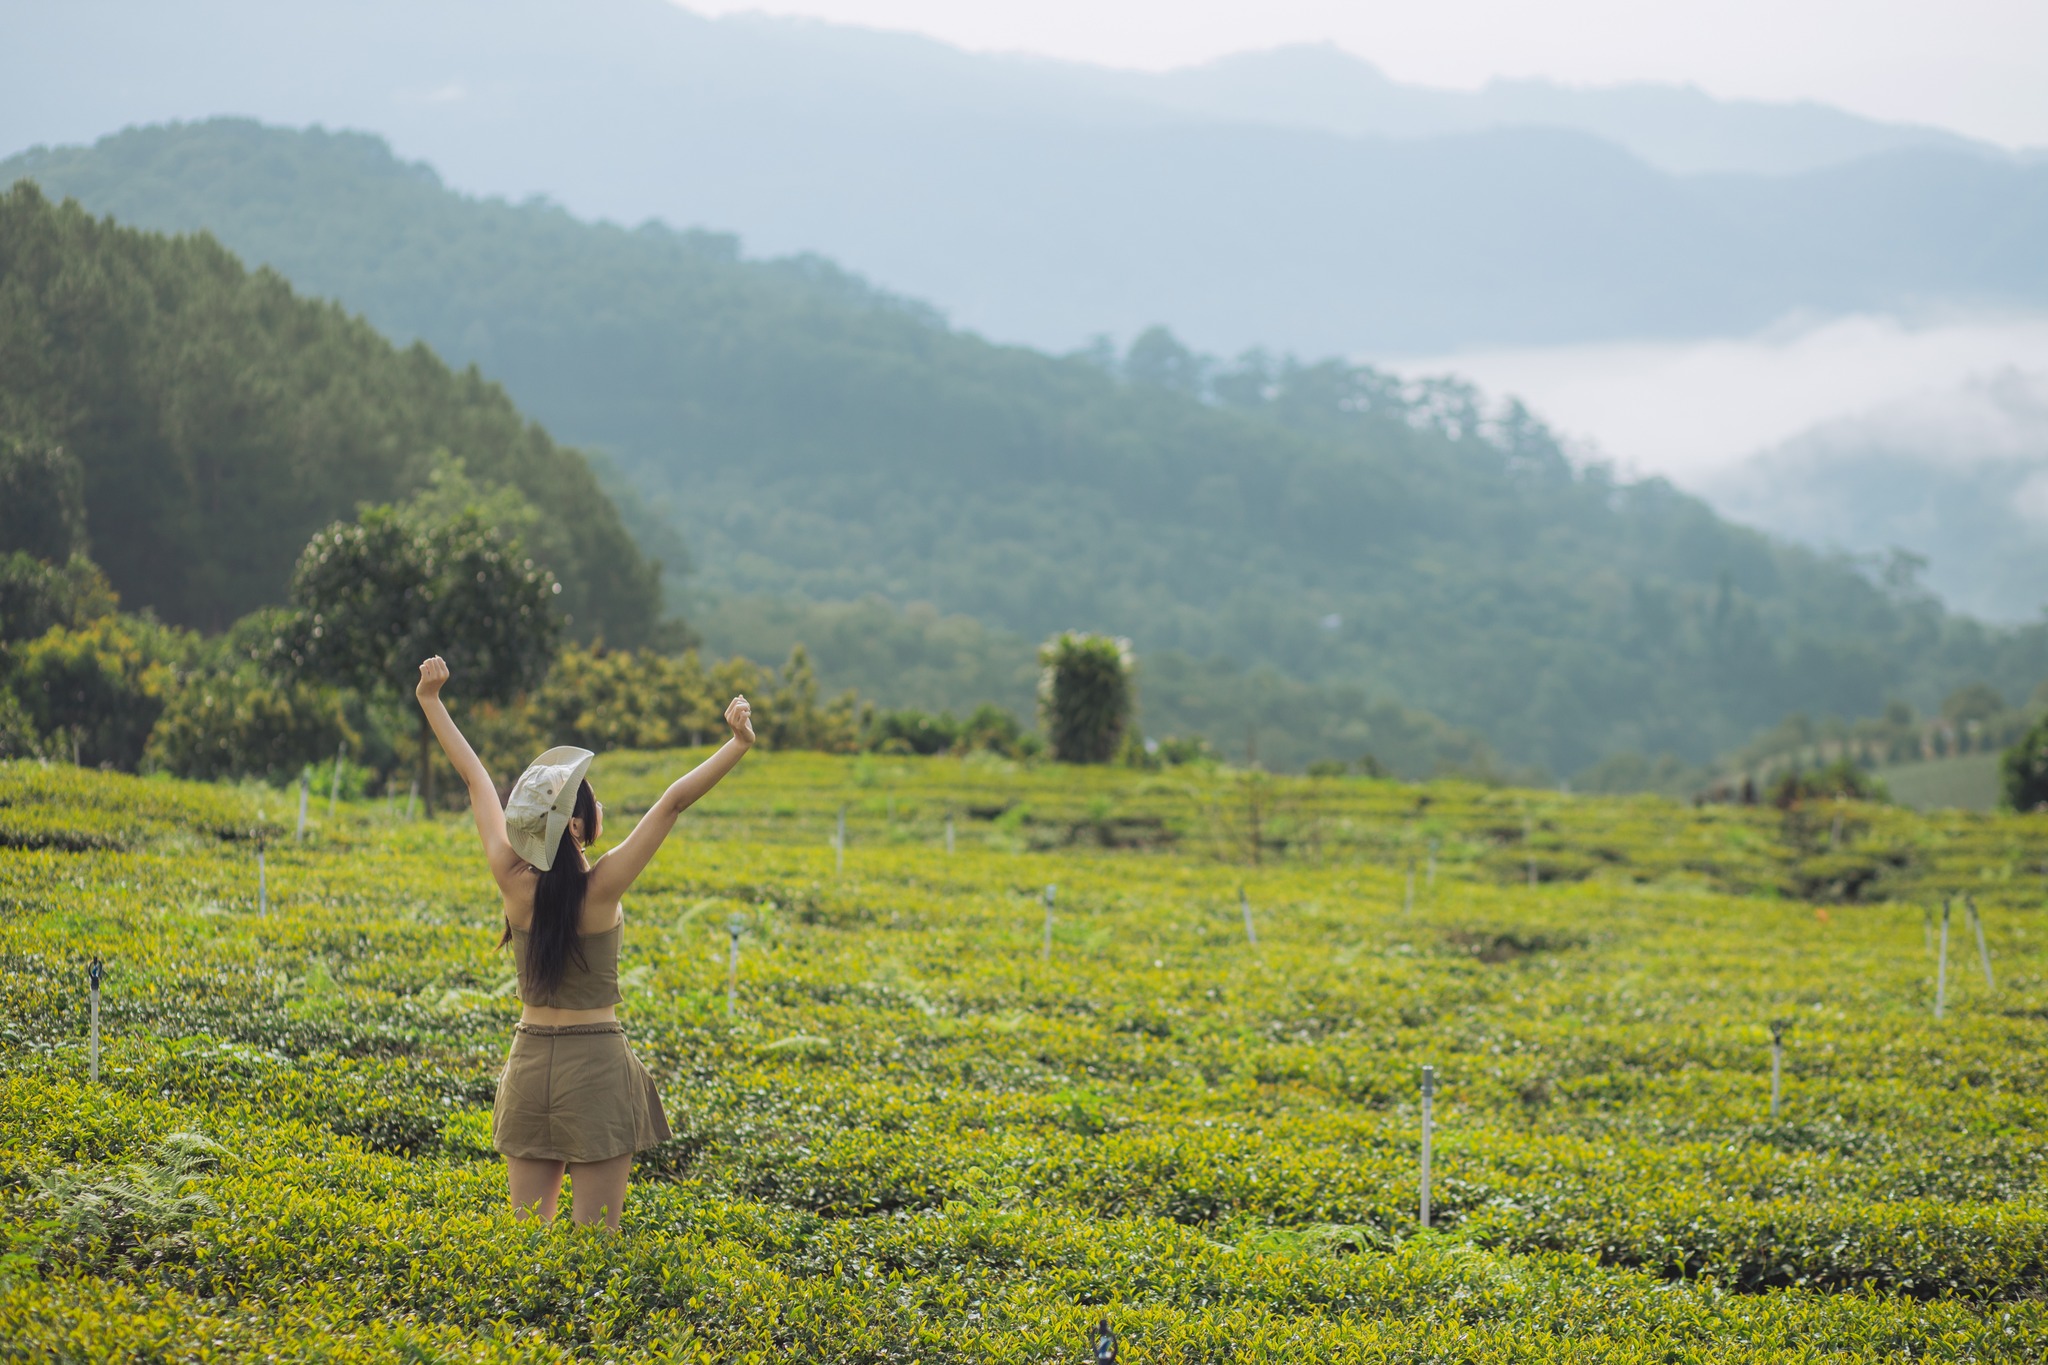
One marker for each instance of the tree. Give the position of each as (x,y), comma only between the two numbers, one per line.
(1085,695)
(2025,769)
(374,597)
(42,500)
(36,595)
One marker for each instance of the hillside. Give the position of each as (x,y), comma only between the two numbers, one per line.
(918,1116)
(814,439)
(1042,203)
(217,419)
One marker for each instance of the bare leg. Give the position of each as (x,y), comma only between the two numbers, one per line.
(598,1190)
(536,1185)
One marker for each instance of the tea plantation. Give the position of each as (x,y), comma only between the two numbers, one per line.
(930,1133)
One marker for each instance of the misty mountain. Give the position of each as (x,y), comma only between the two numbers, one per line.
(1959,479)
(1044,203)
(814,439)
(1678,129)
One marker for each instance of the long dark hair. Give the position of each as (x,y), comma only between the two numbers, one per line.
(552,942)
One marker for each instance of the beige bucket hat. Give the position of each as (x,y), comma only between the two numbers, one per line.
(542,801)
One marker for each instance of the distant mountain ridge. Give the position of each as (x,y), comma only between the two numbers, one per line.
(814,439)
(1043,203)
(1678,129)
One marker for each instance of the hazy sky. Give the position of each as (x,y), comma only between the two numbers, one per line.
(1977,66)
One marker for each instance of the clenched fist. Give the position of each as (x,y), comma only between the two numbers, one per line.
(739,714)
(433,673)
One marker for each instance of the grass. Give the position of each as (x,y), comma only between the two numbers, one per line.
(1966,782)
(920,1138)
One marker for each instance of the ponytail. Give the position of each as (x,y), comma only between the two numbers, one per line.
(553,942)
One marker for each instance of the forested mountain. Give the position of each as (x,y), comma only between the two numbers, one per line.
(813,439)
(216,419)
(1042,203)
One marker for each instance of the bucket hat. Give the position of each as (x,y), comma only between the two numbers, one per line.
(542,801)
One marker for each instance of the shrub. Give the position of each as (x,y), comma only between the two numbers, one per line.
(913,732)
(236,722)
(1085,696)
(2024,769)
(1842,779)
(98,690)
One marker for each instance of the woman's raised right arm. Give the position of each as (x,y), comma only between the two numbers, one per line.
(483,796)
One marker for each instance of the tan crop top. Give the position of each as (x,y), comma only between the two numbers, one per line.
(589,985)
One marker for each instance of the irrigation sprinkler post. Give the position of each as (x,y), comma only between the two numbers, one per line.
(949,834)
(734,927)
(1105,1343)
(334,787)
(1777,1061)
(1050,889)
(262,878)
(839,844)
(92,977)
(1245,905)
(1430,884)
(1941,965)
(1983,951)
(305,783)
(1408,897)
(411,797)
(1529,847)
(1428,1124)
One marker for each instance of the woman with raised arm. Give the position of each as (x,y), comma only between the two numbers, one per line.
(573,1099)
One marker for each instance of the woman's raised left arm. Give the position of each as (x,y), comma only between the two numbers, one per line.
(618,869)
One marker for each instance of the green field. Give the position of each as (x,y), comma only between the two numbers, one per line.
(1966,782)
(920,1138)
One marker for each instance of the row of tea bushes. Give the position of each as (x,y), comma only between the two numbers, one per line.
(921,1138)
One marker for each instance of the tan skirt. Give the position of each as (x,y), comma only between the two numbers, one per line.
(575,1092)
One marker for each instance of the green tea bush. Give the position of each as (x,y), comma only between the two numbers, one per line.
(921,1136)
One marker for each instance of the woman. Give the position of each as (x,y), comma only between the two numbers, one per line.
(573,1100)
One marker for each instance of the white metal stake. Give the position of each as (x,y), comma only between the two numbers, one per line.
(839,842)
(1431,882)
(262,881)
(411,797)
(334,787)
(732,966)
(1408,898)
(1050,888)
(1428,1125)
(1529,849)
(949,835)
(1941,965)
(305,782)
(1777,1061)
(1983,952)
(1250,935)
(92,976)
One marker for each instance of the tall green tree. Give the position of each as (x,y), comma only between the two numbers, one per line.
(42,499)
(1085,696)
(375,596)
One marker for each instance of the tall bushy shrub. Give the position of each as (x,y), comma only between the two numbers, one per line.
(1085,695)
(237,721)
(98,690)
